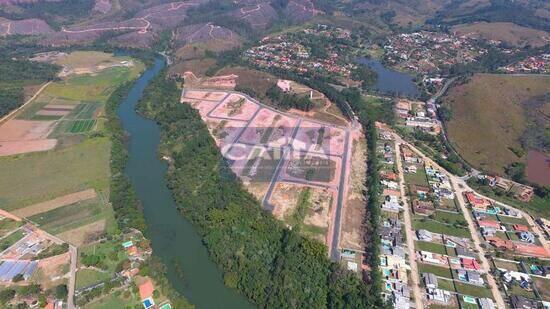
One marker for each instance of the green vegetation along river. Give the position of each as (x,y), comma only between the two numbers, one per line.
(174,239)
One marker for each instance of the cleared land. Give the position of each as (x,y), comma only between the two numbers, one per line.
(506,32)
(489,118)
(292,164)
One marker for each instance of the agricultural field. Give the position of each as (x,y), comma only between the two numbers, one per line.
(506,32)
(490,118)
(37,177)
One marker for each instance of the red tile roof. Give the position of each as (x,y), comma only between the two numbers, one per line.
(520,228)
(489,223)
(146,289)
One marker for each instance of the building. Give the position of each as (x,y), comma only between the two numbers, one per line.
(488,223)
(424,208)
(520,228)
(410,169)
(424,235)
(520,302)
(477,202)
(430,280)
(526,237)
(462,252)
(486,303)
(439,295)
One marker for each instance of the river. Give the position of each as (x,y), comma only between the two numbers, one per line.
(173,238)
(390,81)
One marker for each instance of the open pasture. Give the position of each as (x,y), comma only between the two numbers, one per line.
(36,177)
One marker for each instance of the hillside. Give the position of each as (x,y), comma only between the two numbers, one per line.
(509,33)
(491,115)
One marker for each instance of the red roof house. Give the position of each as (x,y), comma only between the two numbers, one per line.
(477,202)
(489,223)
(146,289)
(469,263)
(520,228)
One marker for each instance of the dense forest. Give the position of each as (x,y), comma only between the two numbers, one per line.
(286,100)
(15,74)
(271,265)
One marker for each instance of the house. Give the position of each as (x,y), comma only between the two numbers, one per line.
(489,223)
(430,280)
(520,302)
(525,193)
(410,169)
(477,202)
(390,184)
(391,203)
(488,231)
(531,250)
(424,235)
(470,264)
(526,237)
(420,191)
(146,289)
(424,208)
(388,175)
(439,295)
(502,183)
(474,278)
(390,192)
(500,243)
(520,228)
(462,252)
(408,155)
(486,303)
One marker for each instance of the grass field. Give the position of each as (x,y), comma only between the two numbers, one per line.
(11,239)
(473,290)
(419,178)
(37,177)
(86,277)
(432,247)
(436,270)
(488,118)
(8,225)
(439,227)
(118,299)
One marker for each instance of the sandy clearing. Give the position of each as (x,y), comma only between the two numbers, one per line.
(285,199)
(309,136)
(84,234)
(224,131)
(55,203)
(61,106)
(52,266)
(9,148)
(44,112)
(204,95)
(16,130)
(235,107)
(204,107)
(327,168)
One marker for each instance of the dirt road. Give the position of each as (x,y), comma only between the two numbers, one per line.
(72,278)
(455,181)
(409,233)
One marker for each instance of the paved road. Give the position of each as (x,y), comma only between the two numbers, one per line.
(455,181)
(334,251)
(409,232)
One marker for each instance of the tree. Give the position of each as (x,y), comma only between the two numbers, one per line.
(61,291)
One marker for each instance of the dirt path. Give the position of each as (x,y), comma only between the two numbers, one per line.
(409,232)
(455,181)
(55,203)
(8,116)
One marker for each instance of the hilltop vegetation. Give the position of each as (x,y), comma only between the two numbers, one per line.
(490,114)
